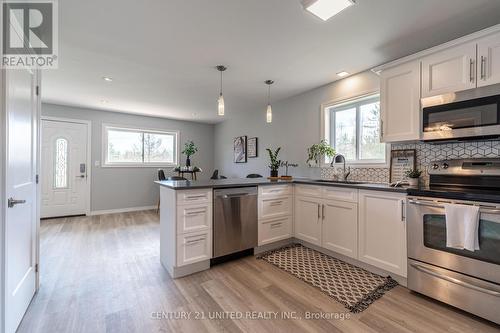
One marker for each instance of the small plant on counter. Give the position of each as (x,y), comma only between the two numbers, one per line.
(413,176)
(274,162)
(189,150)
(318,151)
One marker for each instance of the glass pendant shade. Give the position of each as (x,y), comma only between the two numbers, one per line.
(269,114)
(220,103)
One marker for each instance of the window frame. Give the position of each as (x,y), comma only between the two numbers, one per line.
(345,104)
(144,130)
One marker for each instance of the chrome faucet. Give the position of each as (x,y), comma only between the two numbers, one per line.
(339,158)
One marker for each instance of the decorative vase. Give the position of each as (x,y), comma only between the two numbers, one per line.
(274,173)
(188,162)
(413,181)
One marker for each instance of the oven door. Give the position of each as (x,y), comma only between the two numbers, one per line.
(427,240)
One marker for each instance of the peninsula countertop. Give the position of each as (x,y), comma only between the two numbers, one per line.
(238,182)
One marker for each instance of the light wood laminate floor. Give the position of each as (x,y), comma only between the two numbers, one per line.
(103,274)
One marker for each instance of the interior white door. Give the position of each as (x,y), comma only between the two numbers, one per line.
(64,168)
(21,214)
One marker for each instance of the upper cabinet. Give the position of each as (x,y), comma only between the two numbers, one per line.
(449,71)
(488,57)
(400,103)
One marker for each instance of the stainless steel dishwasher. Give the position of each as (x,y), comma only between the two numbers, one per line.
(235,220)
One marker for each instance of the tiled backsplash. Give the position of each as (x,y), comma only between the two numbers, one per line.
(426,154)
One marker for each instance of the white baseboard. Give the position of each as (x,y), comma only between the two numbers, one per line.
(121,210)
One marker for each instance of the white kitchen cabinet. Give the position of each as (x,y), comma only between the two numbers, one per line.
(488,57)
(450,70)
(194,217)
(400,103)
(274,230)
(273,207)
(340,227)
(382,230)
(194,247)
(307,217)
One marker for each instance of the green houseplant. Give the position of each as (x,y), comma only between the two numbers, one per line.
(274,162)
(413,175)
(318,151)
(189,150)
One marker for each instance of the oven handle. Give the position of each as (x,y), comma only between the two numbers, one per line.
(456,281)
(482,209)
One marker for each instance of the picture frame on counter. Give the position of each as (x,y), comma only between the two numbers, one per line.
(240,149)
(252,148)
(401,161)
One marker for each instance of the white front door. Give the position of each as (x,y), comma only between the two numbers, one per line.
(21,212)
(64,168)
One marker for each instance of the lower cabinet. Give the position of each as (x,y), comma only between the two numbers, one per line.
(194,247)
(308,219)
(382,230)
(340,227)
(274,230)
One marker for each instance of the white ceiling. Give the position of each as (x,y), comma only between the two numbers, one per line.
(161,53)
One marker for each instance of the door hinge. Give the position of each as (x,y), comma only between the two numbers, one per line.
(37,89)
(36,268)
(37,178)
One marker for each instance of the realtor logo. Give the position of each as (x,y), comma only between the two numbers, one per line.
(29,34)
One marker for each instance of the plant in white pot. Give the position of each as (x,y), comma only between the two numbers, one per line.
(413,175)
(317,152)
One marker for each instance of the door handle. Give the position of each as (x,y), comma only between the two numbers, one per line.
(81,176)
(483,68)
(12,202)
(471,75)
(319,212)
(323,211)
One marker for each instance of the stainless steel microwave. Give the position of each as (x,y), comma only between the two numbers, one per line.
(464,115)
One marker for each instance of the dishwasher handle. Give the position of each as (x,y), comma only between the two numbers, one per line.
(226,196)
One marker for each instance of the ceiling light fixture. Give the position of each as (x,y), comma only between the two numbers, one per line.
(220,100)
(269,110)
(342,74)
(107,78)
(325,9)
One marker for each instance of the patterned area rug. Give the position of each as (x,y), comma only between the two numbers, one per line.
(352,286)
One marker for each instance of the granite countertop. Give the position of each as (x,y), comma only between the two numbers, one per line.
(239,182)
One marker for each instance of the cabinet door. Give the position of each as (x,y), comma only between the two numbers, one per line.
(382,230)
(274,230)
(449,71)
(194,217)
(400,103)
(308,220)
(194,247)
(340,227)
(488,57)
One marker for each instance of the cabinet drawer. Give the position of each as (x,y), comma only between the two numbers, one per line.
(275,230)
(308,190)
(340,193)
(194,247)
(190,196)
(275,190)
(274,207)
(194,217)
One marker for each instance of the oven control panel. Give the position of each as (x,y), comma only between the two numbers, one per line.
(466,167)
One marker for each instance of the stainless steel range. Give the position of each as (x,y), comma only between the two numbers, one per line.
(469,280)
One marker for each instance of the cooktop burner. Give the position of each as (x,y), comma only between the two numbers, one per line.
(464,179)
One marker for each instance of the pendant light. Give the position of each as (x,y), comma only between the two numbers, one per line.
(220,100)
(269,111)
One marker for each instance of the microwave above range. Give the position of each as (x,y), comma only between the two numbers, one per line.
(460,116)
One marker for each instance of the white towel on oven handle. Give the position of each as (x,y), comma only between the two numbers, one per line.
(462,226)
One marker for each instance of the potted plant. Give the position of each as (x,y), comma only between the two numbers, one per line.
(274,163)
(317,152)
(413,175)
(189,150)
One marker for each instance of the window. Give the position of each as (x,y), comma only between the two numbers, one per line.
(61,163)
(139,147)
(353,129)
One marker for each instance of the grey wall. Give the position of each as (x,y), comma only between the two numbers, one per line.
(118,188)
(295,127)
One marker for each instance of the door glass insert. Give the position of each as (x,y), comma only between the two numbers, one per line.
(489,237)
(61,164)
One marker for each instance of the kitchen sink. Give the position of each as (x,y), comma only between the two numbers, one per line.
(332,181)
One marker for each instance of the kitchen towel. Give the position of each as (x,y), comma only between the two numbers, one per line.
(462,226)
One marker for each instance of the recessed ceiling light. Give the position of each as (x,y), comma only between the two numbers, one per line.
(342,74)
(324,9)
(103,101)
(107,78)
